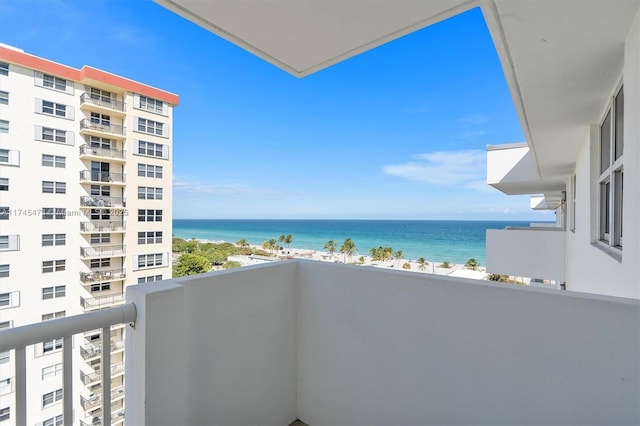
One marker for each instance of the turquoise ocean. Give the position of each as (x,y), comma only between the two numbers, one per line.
(435,240)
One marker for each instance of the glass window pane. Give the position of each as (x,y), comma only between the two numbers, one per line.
(605,143)
(619,126)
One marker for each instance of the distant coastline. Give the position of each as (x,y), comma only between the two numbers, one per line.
(436,240)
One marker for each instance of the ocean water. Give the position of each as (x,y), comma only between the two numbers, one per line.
(435,240)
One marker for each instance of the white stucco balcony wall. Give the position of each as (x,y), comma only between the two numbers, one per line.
(342,344)
(536,252)
(510,167)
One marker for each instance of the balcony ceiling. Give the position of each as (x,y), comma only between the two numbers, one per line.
(562,59)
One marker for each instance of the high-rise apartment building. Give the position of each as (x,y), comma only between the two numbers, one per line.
(85,210)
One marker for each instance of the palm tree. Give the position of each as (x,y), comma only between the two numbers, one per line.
(330,246)
(398,256)
(347,248)
(272,245)
(471,264)
(242,243)
(288,239)
(422,264)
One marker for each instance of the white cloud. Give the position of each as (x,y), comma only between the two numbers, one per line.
(465,168)
(187,185)
(474,119)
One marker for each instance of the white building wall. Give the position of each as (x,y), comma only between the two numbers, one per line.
(589,269)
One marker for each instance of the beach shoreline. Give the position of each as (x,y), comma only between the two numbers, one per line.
(430,267)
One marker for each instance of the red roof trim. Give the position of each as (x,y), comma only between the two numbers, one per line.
(86,72)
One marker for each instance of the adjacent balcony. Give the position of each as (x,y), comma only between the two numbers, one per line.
(101,201)
(95,153)
(343,344)
(101,128)
(102,251)
(103,104)
(97,226)
(534,252)
(101,302)
(101,177)
(102,276)
(91,351)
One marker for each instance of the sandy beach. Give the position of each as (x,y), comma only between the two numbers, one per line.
(431,267)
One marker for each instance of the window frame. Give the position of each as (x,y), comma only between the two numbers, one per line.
(610,173)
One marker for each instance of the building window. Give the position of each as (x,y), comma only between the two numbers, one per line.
(149,215)
(52,371)
(53,266)
(50,187)
(54,240)
(149,279)
(5,413)
(149,193)
(150,126)
(5,386)
(53,292)
(54,135)
(5,212)
(150,237)
(4,184)
(4,68)
(52,315)
(100,238)
(611,173)
(10,157)
(150,104)
(54,213)
(4,97)
(54,161)
(5,299)
(100,214)
(100,263)
(4,242)
(54,421)
(148,170)
(4,126)
(151,149)
(100,287)
(150,260)
(53,108)
(4,270)
(51,397)
(54,82)
(101,95)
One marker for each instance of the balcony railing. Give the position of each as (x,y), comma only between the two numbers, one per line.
(102,152)
(87,98)
(89,403)
(19,338)
(102,226)
(101,302)
(102,275)
(102,251)
(101,201)
(97,176)
(91,350)
(101,126)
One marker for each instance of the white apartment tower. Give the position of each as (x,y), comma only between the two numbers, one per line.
(85,211)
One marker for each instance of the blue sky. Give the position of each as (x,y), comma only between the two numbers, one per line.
(395,133)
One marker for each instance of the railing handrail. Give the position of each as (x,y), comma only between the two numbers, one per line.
(99,100)
(17,337)
(102,250)
(89,174)
(103,152)
(87,123)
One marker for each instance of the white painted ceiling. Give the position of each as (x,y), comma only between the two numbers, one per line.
(562,58)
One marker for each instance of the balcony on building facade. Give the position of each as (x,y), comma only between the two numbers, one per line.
(100,201)
(91,351)
(101,177)
(343,344)
(101,128)
(101,302)
(103,251)
(100,275)
(95,102)
(92,152)
(537,252)
(96,226)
